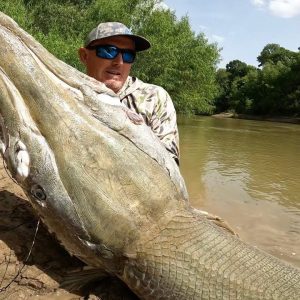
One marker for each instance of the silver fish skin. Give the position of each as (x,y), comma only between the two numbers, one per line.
(82,151)
(110,191)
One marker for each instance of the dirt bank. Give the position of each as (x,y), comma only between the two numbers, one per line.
(38,276)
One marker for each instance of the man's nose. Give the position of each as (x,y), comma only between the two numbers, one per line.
(118,59)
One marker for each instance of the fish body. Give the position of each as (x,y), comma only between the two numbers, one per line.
(111,192)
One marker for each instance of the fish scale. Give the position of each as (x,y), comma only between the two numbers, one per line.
(219,266)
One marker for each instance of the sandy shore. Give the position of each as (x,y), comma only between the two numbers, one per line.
(41,274)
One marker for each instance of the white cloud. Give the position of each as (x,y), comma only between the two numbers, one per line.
(259,3)
(285,8)
(203,27)
(212,38)
(217,38)
(279,8)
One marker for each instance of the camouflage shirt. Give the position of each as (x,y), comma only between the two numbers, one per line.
(154,104)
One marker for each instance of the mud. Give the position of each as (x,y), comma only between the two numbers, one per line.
(32,262)
(24,276)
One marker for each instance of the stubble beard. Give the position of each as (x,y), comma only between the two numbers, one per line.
(114,85)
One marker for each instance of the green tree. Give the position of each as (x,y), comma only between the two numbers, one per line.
(237,68)
(233,86)
(17,10)
(274,53)
(181,61)
(224,86)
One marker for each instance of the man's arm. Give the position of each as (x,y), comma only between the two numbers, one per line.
(164,123)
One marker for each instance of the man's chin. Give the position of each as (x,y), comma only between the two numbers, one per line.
(114,85)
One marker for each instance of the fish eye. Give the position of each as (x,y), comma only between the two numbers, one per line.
(38,192)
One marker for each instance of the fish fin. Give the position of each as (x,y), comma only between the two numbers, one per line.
(112,288)
(77,280)
(97,282)
(216,220)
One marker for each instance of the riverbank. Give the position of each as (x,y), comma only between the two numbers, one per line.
(30,270)
(281,119)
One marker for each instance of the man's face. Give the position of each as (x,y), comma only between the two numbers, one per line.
(112,72)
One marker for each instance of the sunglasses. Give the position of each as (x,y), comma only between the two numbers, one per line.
(111,52)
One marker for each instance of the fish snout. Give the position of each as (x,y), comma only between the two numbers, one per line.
(17,157)
(22,160)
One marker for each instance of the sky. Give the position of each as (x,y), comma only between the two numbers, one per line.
(243,27)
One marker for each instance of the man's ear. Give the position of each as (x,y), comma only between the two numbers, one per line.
(82,52)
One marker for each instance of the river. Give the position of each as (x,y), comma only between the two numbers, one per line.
(248,173)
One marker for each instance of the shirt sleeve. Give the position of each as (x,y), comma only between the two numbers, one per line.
(164,123)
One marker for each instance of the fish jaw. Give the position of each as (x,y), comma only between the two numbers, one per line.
(32,164)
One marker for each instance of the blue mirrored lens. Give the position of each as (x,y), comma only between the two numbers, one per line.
(107,52)
(111,52)
(128,57)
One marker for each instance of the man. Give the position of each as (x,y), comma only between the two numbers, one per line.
(108,54)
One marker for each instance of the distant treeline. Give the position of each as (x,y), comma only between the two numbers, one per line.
(183,62)
(273,89)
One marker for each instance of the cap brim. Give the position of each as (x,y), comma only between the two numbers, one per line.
(141,43)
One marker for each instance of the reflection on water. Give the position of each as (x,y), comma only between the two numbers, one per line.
(247,172)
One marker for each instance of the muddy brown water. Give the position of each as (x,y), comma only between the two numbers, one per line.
(247,172)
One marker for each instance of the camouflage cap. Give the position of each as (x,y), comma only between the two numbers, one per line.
(109,29)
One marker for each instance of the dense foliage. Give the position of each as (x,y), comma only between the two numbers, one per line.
(272,89)
(181,61)
(184,63)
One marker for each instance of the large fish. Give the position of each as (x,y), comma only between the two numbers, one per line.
(110,191)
